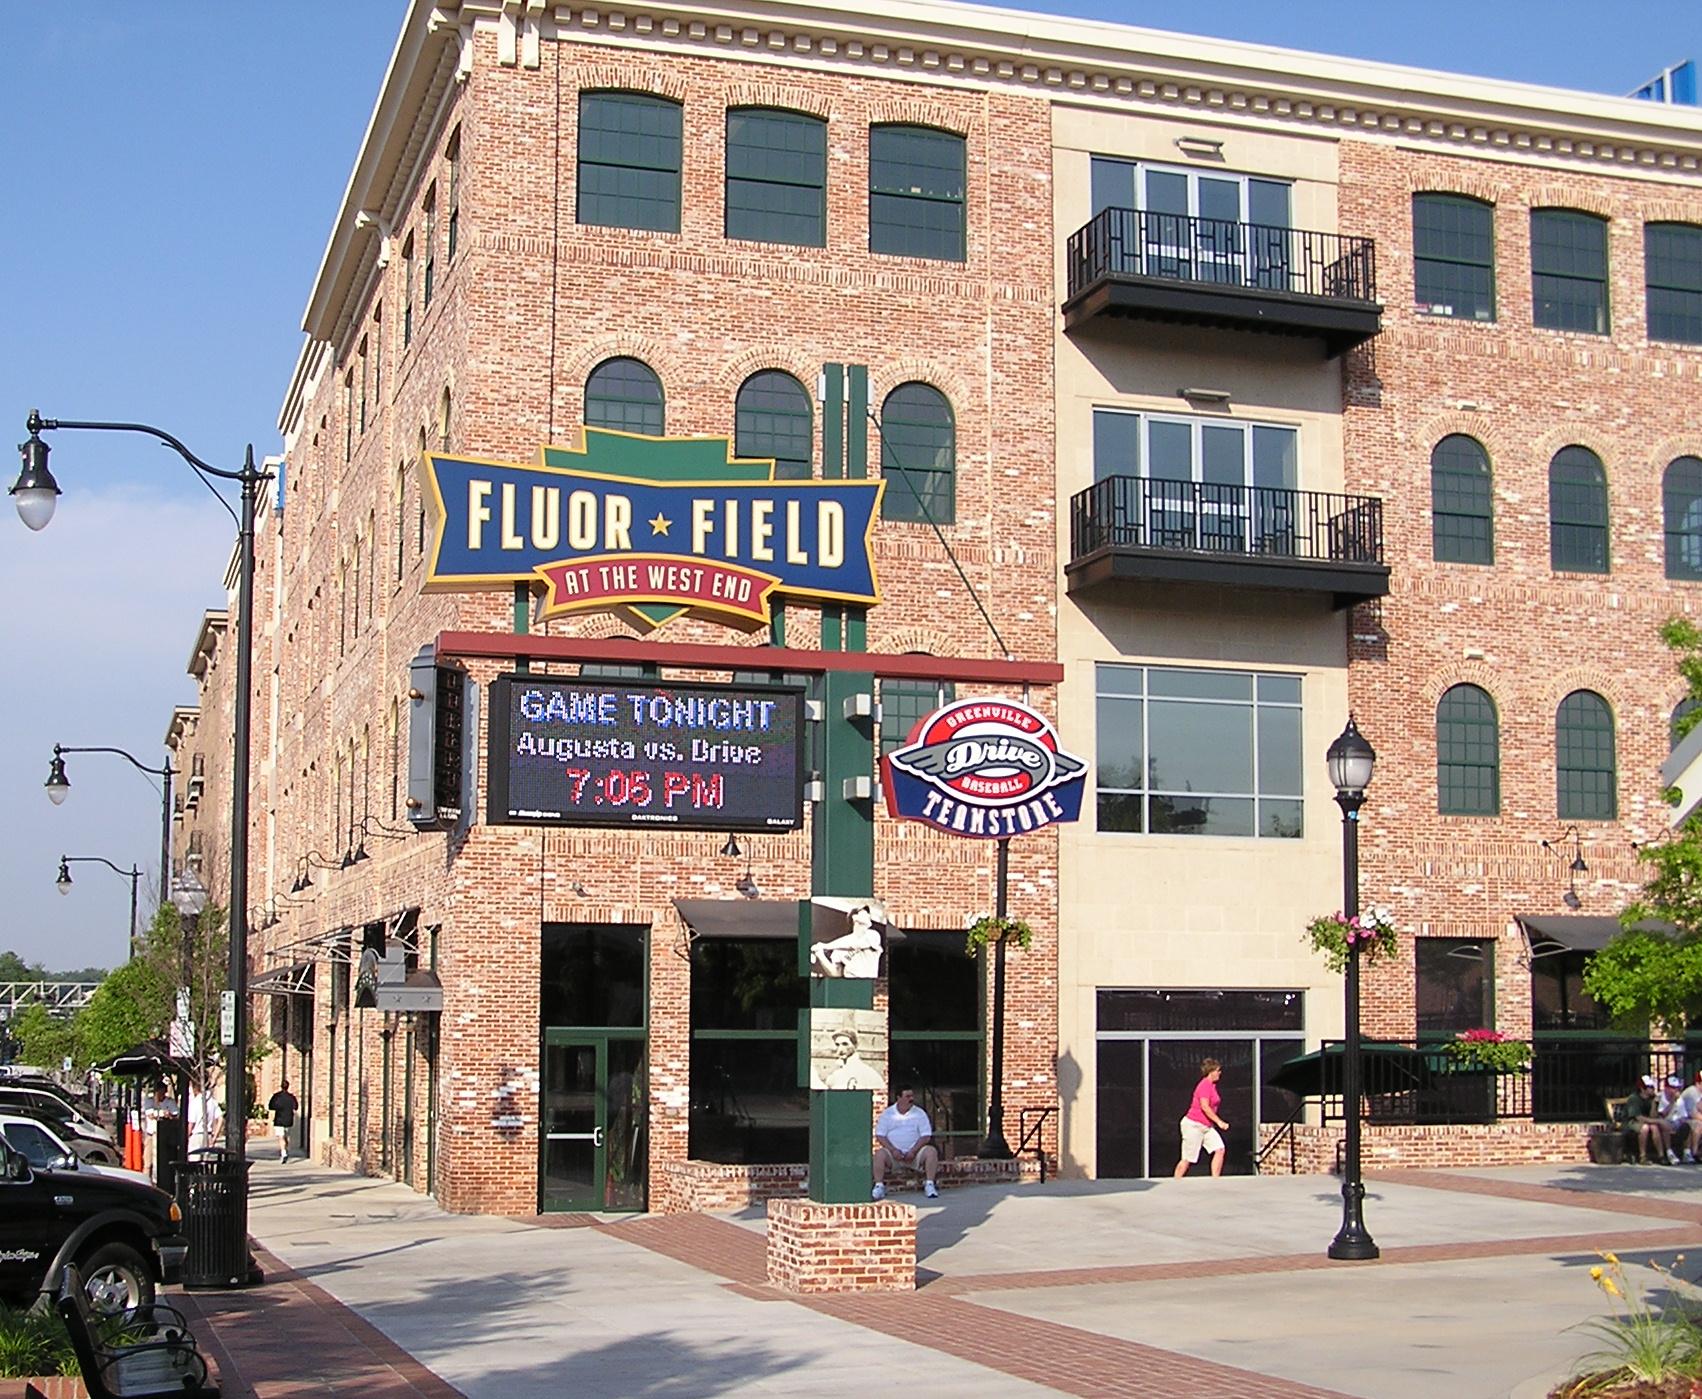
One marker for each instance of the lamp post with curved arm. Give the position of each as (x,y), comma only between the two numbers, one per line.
(133,874)
(36,494)
(59,787)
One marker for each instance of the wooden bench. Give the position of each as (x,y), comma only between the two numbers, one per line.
(145,1353)
(1613,1142)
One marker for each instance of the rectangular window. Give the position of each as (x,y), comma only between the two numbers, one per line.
(348,415)
(1558,998)
(629,161)
(1453,256)
(746,1102)
(1197,226)
(776,177)
(428,231)
(453,220)
(1569,271)
(1455,986)
(363,386)
(378,354)
(1672,256)
(935,1000)
(917,180)
(1198,752)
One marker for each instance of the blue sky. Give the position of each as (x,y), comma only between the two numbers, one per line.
(172,170)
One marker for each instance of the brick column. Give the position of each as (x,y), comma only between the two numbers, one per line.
(814,1247)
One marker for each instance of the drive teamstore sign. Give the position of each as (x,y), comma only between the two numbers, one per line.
(631,753)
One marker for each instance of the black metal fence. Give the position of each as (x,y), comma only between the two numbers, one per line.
(1140,512)
(1413,1082)
(1182,248)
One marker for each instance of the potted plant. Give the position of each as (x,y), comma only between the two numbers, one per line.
(989,930)
(1474,1059)
(1334,935)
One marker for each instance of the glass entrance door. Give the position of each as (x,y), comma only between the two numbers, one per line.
(574,1117)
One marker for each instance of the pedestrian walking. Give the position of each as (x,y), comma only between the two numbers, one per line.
(1201,1126)
(282,1105)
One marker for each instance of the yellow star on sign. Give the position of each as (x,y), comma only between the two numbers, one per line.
(660,524)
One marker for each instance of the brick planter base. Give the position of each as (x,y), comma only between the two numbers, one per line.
(45,1387)
(1466,1144)
(841,1248)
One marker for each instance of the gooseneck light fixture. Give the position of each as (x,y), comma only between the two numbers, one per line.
(1350,761)
(63,882)
(58,787)
(36,494)
(1574,867)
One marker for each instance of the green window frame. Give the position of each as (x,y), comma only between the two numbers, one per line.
(428,230)
(1586,781)
(904,703)
(1462,519)
(919,456)
(776,177)
(773,417)
(937,1012)
(1681,508)
(1197,752)
(408,291)
(1577,512)
(1468,753)
(1453,256)
(1569,271)
(452,220)
(917,192)
(1672,272)
(629,161)
(624,395)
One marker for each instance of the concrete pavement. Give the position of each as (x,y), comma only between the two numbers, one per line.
(1152,1288)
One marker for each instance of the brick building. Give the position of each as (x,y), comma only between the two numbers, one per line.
(1244,388)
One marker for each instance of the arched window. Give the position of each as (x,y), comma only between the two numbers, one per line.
(419,515)
(394,734)
(1583,758)
(625,395)
(1681,502)
(1453,256)
(1468,753)
(917,180)
(918,455)
(372,566)
(1569,270)
(1681,711)
(772,418)
(1577,512)
(1462,522)
(776,176)
(401,517)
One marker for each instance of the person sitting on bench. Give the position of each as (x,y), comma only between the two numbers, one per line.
(906,1139)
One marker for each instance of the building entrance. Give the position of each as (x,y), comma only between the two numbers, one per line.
(592,1151)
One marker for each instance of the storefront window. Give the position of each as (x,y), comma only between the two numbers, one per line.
(1456,985)
(592,974)
(934,1001)
(746,1102)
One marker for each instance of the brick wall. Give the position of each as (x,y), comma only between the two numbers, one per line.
(841,1248)
(1318,1149)
(1523,633)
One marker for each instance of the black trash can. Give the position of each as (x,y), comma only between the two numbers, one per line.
(212,1190)
(168,1152)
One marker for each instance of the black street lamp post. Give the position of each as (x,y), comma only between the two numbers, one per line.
(997,1146)
(1351,760)
(59,786)
(133,874)
(36,494)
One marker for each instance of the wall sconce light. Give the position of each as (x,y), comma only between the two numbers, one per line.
(748,886)
(1217,396)
(1205,147)
(731,849)
(1574,867)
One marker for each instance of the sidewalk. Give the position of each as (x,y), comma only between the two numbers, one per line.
(1146,1288)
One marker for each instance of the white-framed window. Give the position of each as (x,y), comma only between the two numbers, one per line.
(1198,483)
(1198,752)
(1198,225)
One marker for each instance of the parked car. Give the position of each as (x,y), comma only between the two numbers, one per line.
(47,1150)
(43,1084)
(59,1114)
(124,1237)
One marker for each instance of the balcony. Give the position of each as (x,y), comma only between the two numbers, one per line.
(1131,527)
(1137,264)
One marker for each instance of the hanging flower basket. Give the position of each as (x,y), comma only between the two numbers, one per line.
(990,929)
(1334,934)
(1487,1049)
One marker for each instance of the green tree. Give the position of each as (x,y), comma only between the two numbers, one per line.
(45,1039)
(13,968)
(132,1004)
(1649,977)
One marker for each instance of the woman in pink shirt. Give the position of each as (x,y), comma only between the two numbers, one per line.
(1200,1125)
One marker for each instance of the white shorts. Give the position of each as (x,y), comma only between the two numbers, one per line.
(280,1132)
(1198,1134)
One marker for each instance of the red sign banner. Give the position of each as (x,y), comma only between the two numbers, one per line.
(656,578)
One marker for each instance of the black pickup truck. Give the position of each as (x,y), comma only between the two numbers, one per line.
(123,1236)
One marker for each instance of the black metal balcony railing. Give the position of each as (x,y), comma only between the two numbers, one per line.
(1138,512)
(1262,257)
(1417,1082)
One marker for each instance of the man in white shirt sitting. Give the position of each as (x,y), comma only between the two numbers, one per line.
(906,1140)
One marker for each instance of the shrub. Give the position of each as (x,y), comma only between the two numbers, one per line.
(34,1343)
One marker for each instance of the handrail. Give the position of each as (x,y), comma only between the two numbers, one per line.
(1282,1134)
(1199,517)
(1218,252)
(1029,1134)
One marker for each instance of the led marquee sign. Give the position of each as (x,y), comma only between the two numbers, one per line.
(654,525)
(637,753)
